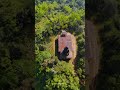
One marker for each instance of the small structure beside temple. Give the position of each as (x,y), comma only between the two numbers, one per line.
(66,45)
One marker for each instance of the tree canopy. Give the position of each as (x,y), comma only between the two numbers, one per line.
(52,16)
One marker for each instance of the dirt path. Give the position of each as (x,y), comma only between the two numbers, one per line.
(92,54)
(75,49)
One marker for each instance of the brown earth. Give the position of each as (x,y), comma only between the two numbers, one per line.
(53,48)
(75,49)
(92,55)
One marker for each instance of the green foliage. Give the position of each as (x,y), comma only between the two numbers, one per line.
(51,17)
(67,9)
(64,78)
(106,15)
(42,56)
(57,75)
(7,74)
(16,43)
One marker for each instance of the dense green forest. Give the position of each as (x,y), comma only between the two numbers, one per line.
(106,15)
(52,16)
(17,65)
(16,44)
